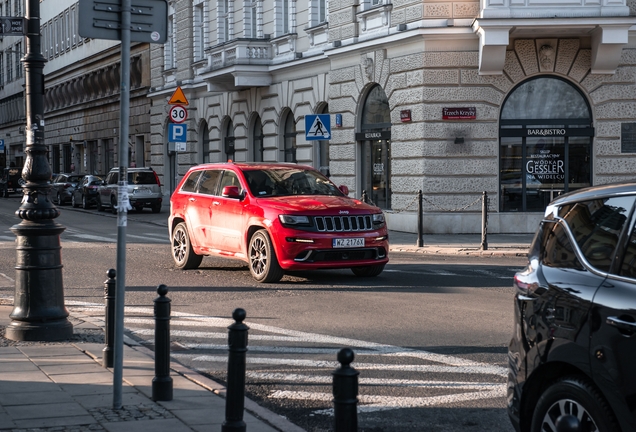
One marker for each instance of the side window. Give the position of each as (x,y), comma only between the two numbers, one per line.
(112,178)
(628,266)
(557,248)
(209,181)
(230,179)
(597,225)
(191,182)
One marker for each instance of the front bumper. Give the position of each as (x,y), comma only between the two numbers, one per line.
(305,250)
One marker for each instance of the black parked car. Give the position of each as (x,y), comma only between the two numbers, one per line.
(574,339)
(11,181)
(85,194)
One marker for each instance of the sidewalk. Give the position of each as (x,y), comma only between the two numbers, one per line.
(62,387)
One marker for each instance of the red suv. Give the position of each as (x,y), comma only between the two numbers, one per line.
(276,217)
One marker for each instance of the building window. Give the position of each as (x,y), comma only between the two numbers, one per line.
(200,30)
(257,140)
(1,69)
(545,144)
(285,17)
(318,12)
(169,48)
(204,144)
(228,141)
(9,67)
(289,138)
(225,21)
(17,51)
(73,24)
(251,9)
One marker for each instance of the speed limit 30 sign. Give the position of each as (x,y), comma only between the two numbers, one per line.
(178,114)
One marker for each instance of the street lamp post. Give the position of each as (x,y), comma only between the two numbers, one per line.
(39,313)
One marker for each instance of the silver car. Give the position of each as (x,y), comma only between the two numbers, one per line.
(62,187)
(144,190)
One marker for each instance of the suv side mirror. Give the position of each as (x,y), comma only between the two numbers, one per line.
(230,192)
(344,189)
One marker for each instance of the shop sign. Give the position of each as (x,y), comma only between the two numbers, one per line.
(469,113)
(373,135)
(405,115)
(546,166)
(546,132)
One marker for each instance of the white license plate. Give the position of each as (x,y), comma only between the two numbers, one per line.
(141,191)
(348,242)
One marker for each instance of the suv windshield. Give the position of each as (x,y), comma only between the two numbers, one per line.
(289,181)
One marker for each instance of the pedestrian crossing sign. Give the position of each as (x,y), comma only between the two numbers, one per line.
(317,127)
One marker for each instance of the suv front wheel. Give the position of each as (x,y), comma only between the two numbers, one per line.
(573,396)
(182,253)
(368,271)
(263,262)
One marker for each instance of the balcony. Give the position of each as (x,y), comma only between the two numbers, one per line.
(606,23)
(237,64)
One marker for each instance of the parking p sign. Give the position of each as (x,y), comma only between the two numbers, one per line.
(177,132)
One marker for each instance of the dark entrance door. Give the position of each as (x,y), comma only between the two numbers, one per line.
(376,171)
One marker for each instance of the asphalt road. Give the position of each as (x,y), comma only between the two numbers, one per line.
(429,334)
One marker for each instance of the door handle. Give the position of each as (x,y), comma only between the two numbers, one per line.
(215,203)
(192,199)
(621,324)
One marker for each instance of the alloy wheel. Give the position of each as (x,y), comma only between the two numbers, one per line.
(258,256)
(568,407)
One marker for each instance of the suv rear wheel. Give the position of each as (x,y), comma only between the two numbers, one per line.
(100,207)
(263,262)
(573,396)
(182,253)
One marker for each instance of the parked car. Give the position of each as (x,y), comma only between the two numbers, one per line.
(574,337)
(144,190)
(62,187)
(11,181)
(277,218)
(85,194)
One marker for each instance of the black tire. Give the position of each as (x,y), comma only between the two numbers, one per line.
(182,253)
(100,207)
(156,208)
(573,395)
(368,271)
(74,203)
(113,205)
(60,201)
(85,204)
(5,192)
(263,263)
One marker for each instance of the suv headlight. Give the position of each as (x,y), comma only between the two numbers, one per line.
(294,220)
(378,219)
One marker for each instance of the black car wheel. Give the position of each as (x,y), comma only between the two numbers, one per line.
(5,192)
(84,202)
(59,200)
(113,205)
(368,271)
(182,253)
(573,396)
(156,208)
(263,262)
(100,207)
(74,203)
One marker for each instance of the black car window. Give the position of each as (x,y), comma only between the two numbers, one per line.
(557,248)
(112,178)
(229,179)
(209,181)
(142,177)
(596,226)
(191,182)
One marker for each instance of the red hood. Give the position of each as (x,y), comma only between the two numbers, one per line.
(316,203)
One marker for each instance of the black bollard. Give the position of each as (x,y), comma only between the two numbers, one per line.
(484,221)
(162,382)
(345,393)
(420,228)
(567,423)
(109,332)
(235,400)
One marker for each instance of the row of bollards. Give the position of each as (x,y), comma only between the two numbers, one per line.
(345,377)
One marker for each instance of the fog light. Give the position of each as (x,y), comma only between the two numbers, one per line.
(298,240)
(381,238)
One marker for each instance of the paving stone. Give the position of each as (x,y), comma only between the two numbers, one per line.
(37,397)
(46,411)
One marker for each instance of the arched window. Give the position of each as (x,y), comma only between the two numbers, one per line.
(257,140)
(289,138)
(545,144)
(375,148)
(203,153)
(228,141)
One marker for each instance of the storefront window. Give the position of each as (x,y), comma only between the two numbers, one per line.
(545,144)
